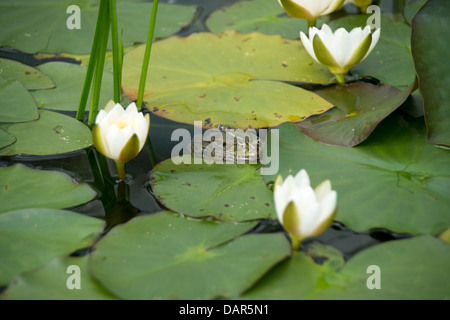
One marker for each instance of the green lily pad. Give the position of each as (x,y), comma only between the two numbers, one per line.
(265,16)
(50,283)
(30,238)
(411,9)
(18,104)
(164,256)
(69,79)
(228,192)
(23,187)
(294,278)
(390,61)
(6,139)
(431,30)
(43,26)
(53,133)
(30,77)
(411,269)
(394,180)
(360,108)
(223,79)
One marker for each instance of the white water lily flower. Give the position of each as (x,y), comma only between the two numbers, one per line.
(304,211)
(341,50)
(120,134)
(310,9)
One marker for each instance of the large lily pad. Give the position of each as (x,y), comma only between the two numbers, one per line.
(32,237)
(265,16)
(223,79)
(394,180)
(43,24)
(53,133)
(410,269)
(411,9)
(30,77)
(18,104)
(50,283)
(360,108)
(6,139)
(69,79)
(163,256)
(228,192)
(431,29)
(23,187)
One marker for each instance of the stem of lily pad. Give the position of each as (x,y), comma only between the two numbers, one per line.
(121,170)
(148,49)
(340,78)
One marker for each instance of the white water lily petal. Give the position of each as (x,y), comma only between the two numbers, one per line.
(116,126)
(315,208)
(311,8)
(343,46)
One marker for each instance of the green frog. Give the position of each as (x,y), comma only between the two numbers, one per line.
(244,145)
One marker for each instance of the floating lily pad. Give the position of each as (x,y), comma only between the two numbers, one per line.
(43,26)
(164,256)
(223,79)
(411,9)
(50,283)
(390,61)
(411,269)
(294,278)
(431,29)
(30,77)
(228,192)
(32,237)
(18,104)
(360,108)
(22,187)
(265,16)
(53,133)
(6,139)
(69,79)
(394,180)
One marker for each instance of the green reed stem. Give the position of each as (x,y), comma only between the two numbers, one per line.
(148,49)
(92,63)
(115,49)
(98,74)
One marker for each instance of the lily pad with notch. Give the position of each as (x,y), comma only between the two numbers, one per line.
(30,238)
(166,256)
(228,192)
(229,79)
(53,133)
(23,187)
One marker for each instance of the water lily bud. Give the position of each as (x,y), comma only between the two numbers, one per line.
(341,50)
(303,211)
(120,134)
(310,9)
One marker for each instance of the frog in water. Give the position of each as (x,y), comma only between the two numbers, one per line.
(236,145)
